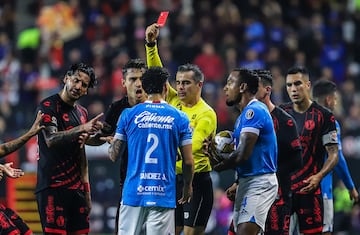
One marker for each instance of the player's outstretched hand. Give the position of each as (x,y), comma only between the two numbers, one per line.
(12,172)
(35,128)
(94,125)
(151,33)
(312,183)
(107,138)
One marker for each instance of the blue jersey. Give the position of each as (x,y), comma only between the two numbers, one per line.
(256,118)
(153,132)
(341,170)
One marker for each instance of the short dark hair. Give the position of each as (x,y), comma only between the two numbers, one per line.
(154,79)
(266,77)
(133,64)
(298,69)
(82,67)
(198,74)
(322,88)
(249,77)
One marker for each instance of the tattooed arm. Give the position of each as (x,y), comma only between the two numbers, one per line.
(54,137)
(117,150)
(11,146)
(314,180)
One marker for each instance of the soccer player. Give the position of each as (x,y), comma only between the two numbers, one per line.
(152,131)
(289,158)
(63,190)
(191,217)
(317,131)
(255,157)
(132,72)
(325,93)
(11,222)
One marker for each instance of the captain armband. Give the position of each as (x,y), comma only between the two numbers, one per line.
(330,138)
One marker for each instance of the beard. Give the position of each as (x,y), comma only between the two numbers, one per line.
(234,102)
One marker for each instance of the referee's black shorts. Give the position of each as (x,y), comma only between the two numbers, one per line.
(197,212)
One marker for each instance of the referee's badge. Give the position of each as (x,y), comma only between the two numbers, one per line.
(249,114)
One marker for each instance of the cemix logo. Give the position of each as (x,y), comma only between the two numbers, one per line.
(157,188)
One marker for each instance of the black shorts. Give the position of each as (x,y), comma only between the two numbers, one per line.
(197,212)
(309,209)
(63,211)
(14,219)
(278,218)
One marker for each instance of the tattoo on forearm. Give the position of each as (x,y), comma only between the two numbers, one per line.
(114,148)
(12,146)
(55,138)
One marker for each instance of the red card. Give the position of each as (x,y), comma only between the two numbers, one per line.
(162,18)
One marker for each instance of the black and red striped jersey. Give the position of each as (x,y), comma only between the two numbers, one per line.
(316,127)
(59,165)
(289,148)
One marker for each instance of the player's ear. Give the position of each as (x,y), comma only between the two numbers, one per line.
(243,87)
(66,77)
(268,90)
(123,81)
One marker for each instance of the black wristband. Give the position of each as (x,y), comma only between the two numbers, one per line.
(150,44)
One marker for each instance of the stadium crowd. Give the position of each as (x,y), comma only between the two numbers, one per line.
(215,35)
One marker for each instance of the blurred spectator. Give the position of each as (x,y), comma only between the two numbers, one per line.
(211,64)
(252,60)
(217,35)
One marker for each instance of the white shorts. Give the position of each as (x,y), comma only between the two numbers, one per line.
(328,216)
(254,197)
(146,220)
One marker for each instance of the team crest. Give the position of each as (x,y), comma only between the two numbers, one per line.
(309,125)
(249,114)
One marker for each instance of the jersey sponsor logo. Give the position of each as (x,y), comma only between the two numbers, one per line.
(249,114)
(150,189)
(152,176)
(153,117)
(309,125)
(147,119)
(50,210)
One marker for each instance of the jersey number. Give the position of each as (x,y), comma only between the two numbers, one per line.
(148,158)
